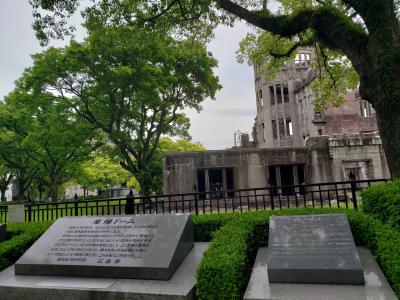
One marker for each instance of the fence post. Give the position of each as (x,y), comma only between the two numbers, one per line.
(196,203)
(76,204)
(29,210)
(353,193)
(130,205)
(271,194)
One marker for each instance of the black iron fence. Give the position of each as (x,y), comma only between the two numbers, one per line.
(332,194)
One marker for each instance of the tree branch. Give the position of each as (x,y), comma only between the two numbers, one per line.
(331,27)
(288,53)
(285,26)
(164,11)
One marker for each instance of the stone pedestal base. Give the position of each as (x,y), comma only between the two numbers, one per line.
(180,286)
(376,286)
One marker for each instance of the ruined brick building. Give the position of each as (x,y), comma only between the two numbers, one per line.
(292,143)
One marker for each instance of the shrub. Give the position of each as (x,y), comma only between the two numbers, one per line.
(383,201)
(221,273)
(382,240)
(224,269)
(21,237)
(205,225)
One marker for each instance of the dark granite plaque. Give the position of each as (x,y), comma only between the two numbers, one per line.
(313,249)
(3,232)
(140,247)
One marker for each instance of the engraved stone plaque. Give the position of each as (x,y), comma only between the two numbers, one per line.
(140,247)
(313,249)
(3,232)
(16,213)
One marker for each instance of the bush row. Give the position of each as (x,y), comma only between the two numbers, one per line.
(205,225)
(382,240)
(383,201)
(221,273)
(20,237)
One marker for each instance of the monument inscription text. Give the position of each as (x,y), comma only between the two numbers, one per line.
(111,246)
(105,241)
(313,249)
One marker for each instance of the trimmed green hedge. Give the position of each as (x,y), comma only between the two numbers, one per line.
(382,240)
(223,272)
(383,201)
(205,225)
(21,237)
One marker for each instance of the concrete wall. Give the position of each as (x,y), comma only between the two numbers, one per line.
(250,166)
(347,119)
(364,152)
(324,160)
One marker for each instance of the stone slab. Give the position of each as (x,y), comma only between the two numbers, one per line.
(140,247)
(3,232)
(376,285)
(16,213)
(180,286)
(313,249)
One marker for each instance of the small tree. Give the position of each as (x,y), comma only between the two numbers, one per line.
(102,173)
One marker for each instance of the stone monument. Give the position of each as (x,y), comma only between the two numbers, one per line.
(313,249)
(16,213)
(3,232)
(139,247)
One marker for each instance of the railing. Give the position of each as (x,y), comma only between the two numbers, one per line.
(332,194)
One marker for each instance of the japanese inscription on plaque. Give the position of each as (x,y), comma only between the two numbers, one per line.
(105,241)
(111,246)
(313,249)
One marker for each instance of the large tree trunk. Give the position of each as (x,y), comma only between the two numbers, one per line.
(3,190)
(54,192)
(143,187)
(22,185)
(389,128)
(54,186)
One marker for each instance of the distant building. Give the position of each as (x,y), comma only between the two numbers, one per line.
(115,192)
(285,110)
(79,191)
(292,143)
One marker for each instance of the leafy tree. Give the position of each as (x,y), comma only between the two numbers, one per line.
(15,157)
(366,32)
(182,145)
(129,82)
(102,173)
(51,136)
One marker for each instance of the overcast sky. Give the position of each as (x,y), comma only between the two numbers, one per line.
(234,107)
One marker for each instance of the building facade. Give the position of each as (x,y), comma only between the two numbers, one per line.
(285,108)
(292,143)
(277,120)
(322,159)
